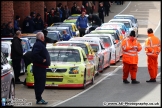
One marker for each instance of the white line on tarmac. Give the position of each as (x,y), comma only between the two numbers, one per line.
(125,8)
(110,73)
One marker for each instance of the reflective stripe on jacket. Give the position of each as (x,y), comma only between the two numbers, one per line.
(152,45)
(130,54)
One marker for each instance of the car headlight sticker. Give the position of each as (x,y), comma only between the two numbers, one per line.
(74,70)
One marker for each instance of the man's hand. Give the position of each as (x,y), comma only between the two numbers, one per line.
(44,60)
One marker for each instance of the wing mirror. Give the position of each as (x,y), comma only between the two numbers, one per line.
(85,58)
(94,50)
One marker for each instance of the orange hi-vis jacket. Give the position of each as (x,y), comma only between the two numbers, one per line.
(152,45)
(130,51)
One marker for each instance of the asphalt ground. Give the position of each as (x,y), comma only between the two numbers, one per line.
(108,85)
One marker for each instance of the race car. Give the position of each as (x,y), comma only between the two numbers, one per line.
(72,27)
(98,46)
(69,68)
(128,23)
(114,34)
(131,17)
(6,49)
(109,42)
(117,25)
(118,30)
(92,57)
(75,16)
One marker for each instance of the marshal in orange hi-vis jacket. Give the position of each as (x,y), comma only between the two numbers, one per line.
(152,49)
(130,47)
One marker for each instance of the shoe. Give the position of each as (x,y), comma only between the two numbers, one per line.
(135,82)
(151,80)
(19,82)
(41,102)
(126,81)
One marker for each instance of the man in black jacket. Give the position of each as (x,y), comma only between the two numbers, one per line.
(94,19)
(16,55)
(38,22)
(47,39)
(41,61)
(101,11)
(74,8)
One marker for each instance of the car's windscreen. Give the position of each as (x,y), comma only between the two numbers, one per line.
(4,48)
(72,17)
(83,46)
(64,55)
(106,40)
(66,25)
(52,35)
(32,41)
(127,24)
(95,47)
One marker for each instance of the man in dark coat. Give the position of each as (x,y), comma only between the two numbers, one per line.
(41,61)
(38,22)
(9,30)
(47,39)
(28,25)
(74,8)
(101,11)
(16,55)
(94,19)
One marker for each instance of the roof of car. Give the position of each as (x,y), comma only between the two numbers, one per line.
(103,31)
(54,31)
(91,35)
(73,42)
(9,42)
(28,34)
(120,20)
(113,23)
(64,47)
(124,15)
(56,27)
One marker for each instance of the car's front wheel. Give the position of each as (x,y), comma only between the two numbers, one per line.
(12,91)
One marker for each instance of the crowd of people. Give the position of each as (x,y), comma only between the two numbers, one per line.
(34,21)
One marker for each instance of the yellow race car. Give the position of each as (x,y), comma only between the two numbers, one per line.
(91,55)
(69,68)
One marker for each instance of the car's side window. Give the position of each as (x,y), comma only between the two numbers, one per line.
(102,47)
(3,59)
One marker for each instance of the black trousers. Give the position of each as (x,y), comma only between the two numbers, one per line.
(101,16)
(16,63)
(107,9)
(82,32)
(39,81)
(121,2)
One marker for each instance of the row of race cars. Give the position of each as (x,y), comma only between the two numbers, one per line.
(76,62)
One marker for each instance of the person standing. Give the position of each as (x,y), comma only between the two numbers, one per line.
(17,55)
(67,12)
(130,47)
(101,11)
(16,23)
(50,17)
(38,22)
(152,49)
(107,5)
(82,23)
(88,8)
(41,61)
(9,30)
(47,39)
(74,8)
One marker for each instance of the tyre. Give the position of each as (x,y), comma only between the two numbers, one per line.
(12,91)
(98,73)
(84,81)
(115,59)
(109,60)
